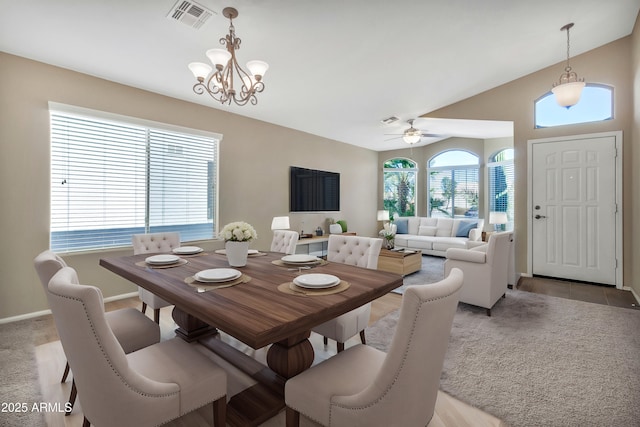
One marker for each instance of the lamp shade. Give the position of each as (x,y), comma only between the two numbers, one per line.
(200,70)
(568,94)
(257,68)
(497,217)
(383,215)
(411,138)
(218,56)
(280,223)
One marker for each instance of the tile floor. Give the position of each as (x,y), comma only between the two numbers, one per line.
(598,294)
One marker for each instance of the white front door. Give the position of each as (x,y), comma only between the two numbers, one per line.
(573,208)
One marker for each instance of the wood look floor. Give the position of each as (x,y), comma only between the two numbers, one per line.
(449,411)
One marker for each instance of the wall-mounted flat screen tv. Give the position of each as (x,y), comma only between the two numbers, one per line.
(313,190)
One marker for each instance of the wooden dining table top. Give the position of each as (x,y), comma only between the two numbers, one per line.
(256,312)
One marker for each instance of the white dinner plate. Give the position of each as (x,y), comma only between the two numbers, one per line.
(217,275)
(316,281)
(299,259)
(162,259)
(187,250)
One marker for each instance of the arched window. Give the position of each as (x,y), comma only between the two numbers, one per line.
(501,175)
(400,187)
(596,104)
(453,184)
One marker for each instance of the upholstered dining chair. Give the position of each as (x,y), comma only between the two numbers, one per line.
(150,386)
(154,243)
(363,386)
(485,268)
(132,329)
(284,241)
(361,252)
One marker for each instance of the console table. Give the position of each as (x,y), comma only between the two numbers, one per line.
(400,262)
(316,245)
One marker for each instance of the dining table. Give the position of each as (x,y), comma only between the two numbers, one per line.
(260,309)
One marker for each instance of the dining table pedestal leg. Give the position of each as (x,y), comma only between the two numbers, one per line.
(291,356)
(191,328)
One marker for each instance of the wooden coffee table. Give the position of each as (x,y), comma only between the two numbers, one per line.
(400,262)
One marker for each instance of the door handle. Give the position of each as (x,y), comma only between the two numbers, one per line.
(539,216)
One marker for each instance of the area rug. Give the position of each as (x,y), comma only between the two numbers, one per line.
(19,389)
(432,271)
(541,361)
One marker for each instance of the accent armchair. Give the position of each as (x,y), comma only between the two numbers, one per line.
(132,329)
(284,241)
(485,270)
(363,386)
(154,243)
(150,386)
(361,252)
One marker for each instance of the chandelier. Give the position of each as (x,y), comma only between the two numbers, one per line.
(227,81)
(569,88)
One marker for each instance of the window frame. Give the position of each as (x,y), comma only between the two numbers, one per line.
(452,167)
(492,163)
(587,85)
(415,169)
(150,127)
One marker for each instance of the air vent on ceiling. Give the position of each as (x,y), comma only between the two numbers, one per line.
(390,120)
(190,13)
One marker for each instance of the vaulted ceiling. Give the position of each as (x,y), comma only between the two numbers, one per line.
(337,68)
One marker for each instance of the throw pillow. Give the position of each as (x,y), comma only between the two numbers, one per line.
(427,230)
(402,226)
(464,228)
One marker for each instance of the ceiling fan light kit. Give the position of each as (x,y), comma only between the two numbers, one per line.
(569,88)
(226,81)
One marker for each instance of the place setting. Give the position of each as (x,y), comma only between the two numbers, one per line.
(162,261)
(299,262)
(216,278)
(188,251)
(314,284)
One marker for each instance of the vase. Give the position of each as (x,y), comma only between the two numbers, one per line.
(389,243)
(236,253)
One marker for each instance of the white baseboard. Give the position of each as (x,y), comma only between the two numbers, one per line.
(633,292)
(46,312)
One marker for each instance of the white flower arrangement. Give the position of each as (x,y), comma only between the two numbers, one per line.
(238,231)
(388,232)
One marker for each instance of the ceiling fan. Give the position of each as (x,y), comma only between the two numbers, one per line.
(413,135)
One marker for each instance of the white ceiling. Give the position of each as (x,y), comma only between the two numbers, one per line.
(337,67)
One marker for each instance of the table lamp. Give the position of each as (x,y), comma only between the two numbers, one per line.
(280,223)
(498,219)
(383,216)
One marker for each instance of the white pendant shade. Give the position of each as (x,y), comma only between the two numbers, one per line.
(257,68)
(411,138)
(568,94)
(218,56)
(200,70)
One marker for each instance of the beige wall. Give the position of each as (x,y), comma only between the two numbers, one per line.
(254,163)
(610,64)
(633,205)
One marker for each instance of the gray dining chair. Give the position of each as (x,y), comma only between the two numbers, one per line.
(363,386)
(132,329)
(154,243)
(148,387)
(361,252)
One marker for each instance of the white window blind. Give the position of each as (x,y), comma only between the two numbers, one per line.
(501,185)
(112,179)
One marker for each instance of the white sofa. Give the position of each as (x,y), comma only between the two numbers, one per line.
(433,236)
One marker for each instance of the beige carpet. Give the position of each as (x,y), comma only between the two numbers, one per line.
(542,361)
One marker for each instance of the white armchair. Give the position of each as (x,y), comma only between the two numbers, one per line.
(154,243)
(361,252)
(284,241)
(485,270)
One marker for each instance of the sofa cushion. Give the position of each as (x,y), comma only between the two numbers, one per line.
(465,227)
(427,230)
(402,226)
(443,243)
(445,227)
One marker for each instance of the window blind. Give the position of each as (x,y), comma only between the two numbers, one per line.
(112,179)
(501,189)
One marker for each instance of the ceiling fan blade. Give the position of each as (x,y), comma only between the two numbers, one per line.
(432,135)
